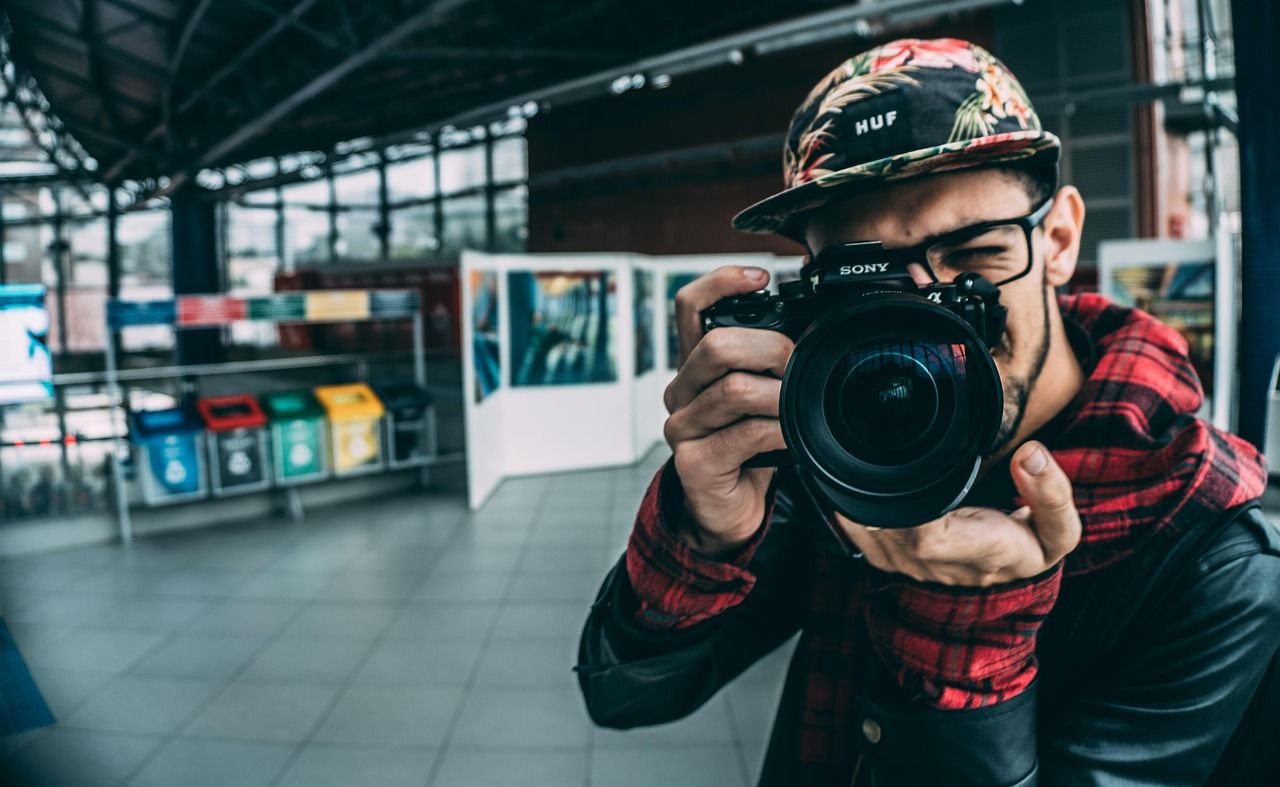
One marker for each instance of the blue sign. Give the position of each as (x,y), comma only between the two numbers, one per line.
(26,367)
(122,313)
(392,303)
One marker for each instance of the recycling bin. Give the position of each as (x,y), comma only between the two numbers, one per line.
(355,428)
(409,423)
(170,452)
(237,444)
(296,424)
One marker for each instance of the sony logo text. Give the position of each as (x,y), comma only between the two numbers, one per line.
(873,267)
(875,122)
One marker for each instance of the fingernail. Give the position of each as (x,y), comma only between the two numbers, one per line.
(1035,462)
(755,274)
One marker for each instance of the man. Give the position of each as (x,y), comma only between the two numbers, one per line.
(1105,606)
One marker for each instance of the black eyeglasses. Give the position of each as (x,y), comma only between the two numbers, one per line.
(1000,251)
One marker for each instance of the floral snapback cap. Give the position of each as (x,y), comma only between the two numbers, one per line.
(907,108)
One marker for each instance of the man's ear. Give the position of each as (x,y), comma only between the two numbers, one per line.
(1062,229)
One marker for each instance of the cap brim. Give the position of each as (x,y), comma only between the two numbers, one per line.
(778,213)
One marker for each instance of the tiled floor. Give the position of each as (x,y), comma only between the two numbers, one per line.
(399,642)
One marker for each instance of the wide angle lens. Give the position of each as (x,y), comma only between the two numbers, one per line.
(908,400)
(886,402)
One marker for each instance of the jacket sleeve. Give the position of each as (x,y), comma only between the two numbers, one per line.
(1192,664)
(1161,711)
(656,656)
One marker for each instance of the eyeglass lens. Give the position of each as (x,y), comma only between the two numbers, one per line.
(997,254)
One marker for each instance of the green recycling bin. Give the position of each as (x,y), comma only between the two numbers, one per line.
(298,432)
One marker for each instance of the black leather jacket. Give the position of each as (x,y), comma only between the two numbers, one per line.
(1159,670)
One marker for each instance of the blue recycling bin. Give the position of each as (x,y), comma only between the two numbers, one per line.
(170,448)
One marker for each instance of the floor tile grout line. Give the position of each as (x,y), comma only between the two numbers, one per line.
(128,671)
(738,745)
(402,606)
(610,484)
(226,684)
(447,741)
(269,640)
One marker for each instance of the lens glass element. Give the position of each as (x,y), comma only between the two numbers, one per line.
(890,403)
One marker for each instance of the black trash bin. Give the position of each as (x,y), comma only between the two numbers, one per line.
(410,424)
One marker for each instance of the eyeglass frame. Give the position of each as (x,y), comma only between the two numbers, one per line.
(920,251)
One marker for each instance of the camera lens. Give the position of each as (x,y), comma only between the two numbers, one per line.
(886,405)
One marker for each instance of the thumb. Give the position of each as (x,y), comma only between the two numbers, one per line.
(1044,485)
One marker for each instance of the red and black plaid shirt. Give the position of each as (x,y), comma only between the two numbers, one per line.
(1140,464)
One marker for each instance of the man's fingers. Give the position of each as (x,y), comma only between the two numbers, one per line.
(732,397)
(1047,490)
(726,350)
(704,291)
(720,455)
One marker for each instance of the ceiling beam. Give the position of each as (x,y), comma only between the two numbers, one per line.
(184,38)
(295,21)
(89,31)
(428,17)
(501,53)
(72,39)
(175,64)
(82,82)
(151,17)
(281,24)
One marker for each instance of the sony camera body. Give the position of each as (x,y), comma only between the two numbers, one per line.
(891,397)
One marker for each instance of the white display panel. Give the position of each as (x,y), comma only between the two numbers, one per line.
(1188,285)
(648,412)
(568,396)
(482,410)
(545,414)
(582,422)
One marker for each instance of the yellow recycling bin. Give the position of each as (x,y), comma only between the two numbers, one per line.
(355,427)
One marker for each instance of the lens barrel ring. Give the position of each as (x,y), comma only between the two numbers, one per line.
(912,492)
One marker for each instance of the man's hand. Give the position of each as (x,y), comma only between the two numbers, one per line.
(980,547)
(724,410)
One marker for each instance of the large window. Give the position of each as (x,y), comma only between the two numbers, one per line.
(510,164)
(306,221)
(145,254)
(86,286)
(146,272)
(470,195)
(511,219)
(462,169)
(464,224)
(413,233)
(356,238)
(414,179)
(252,256)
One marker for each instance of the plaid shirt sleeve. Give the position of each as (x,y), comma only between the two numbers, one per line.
(959,647)
(675,585)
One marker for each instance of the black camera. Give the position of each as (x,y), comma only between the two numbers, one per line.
(891,398)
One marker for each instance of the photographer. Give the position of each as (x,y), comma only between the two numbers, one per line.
(1101,607)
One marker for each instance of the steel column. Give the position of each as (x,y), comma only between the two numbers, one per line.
(195,269)
(1257,39)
